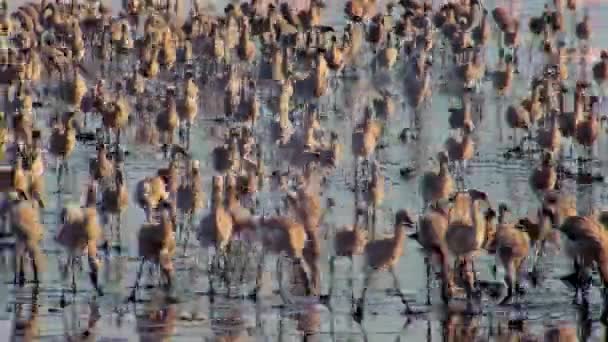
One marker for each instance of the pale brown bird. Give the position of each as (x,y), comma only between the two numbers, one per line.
(432,227)
(190,196)
(188,110)
(544,177)
(320,76)
(374,195)
(114,202)
(466,233)
(335,55)
(461,150)
(586,243)
(348,242)
(458,116)
(80,231)
(102,168)
(167,120)
(282,234)
(246,48)
(534,105)
(504,78)
(156,244)
(25,223)
(562,332)
(587,132)
(512,247)
(115,116)
(583,29)
(149,193)
(216,229)
(481,33)
(365,138)
(437,185)
(517,117)
(61,144)
(306,204)
(550,138)
(388,55)
(384,255)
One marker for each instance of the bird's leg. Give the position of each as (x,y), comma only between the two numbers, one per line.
(58,171)
(358,310)
(474,271)
(351,278)
(137,278)
(118,226)
(181,132)
(306,271)
(585,281)
(35,256)
(168,274)
(93,274)
(427,261)
(578,270)
(93,266)
(374,211)
(188,227)
(118,134)
(188,136)
(468,276)
(73,270)
(509,273)
(17,262)
(332,270)
(397,286)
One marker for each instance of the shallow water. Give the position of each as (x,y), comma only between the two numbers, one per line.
(194,318)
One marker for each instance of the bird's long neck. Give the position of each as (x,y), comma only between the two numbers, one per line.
(399,234)
(443,169)
(478,222)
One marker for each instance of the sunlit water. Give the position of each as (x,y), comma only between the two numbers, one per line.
(194,318)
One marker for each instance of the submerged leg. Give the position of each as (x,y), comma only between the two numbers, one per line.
(397,287)
(332,270)
(427,261)
(94,266)
(358,310)
(137,278)
(509,275)
(18,263)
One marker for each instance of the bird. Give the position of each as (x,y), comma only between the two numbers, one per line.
(383,255)
(544,177)
(437,185)
(431,235)
(349,241)
(586,244)
(282,235)
(561,332)
(503,79)
(62,142)
(156,244)
(25,224)
(114,202)
(466,233)
(80,231)
(549,139)
(512,247)
(149,193)
(517,117)
(101,168)
(583,29)
(190,197)
(461,150)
